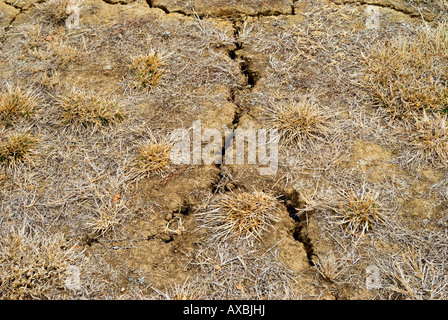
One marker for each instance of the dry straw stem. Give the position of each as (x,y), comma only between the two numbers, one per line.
(15,103)
(147,70)
(300,123)
(240,216)
(359,211)
(407,74)
(15,148)
(32,266)
(415,278)
(81,109)
(426,139)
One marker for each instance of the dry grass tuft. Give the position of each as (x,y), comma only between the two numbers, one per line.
(16,103)
(16,148)
(108,217)
(58,10)
(359,212)
(183,291)
(299,123)
(148,70)
(406,75)
(153,158)
(328,267)
(81,109)
(241,216)
(50,50)
(426,139)
(32,266)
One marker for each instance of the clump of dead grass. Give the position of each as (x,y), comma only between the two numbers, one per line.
(53,49)
(299,123)
(16,147)
(406,74)
(58,10)
(240,216)
(80,109)
(426,139)
(147,70)
(328,267)
(15,103)
(152,158)
(32,266)
(359,211)
(108,217)
(61,52)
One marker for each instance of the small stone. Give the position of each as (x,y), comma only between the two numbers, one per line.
(217,268)
(165,237)
(169,217)
(122,289)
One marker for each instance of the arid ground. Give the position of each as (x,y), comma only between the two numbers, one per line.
(92,206)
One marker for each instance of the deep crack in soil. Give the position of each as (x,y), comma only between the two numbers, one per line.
(300,233)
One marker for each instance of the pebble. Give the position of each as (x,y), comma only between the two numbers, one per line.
(165,237)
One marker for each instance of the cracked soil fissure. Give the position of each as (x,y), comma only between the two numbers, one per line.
(299,233)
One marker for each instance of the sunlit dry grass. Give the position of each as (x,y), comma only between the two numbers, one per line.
(33,265)
(16,103)
(359,212)
(16,147)
(153,158)
(81,110)
(425,139)
(148,70)
(58,10)
(406,75)
(299,123)
(241,216)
